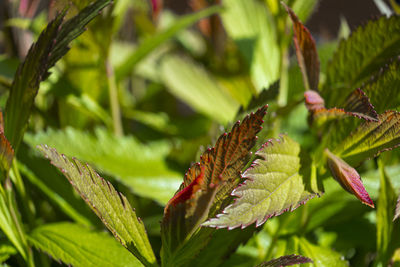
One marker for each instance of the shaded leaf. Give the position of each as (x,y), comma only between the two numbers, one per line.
(266,95)
(206,188)
(358,104)
(273,186)
(153,42)
(110,206)
(78,246)
(147,175)
(194,85)
(348,178)
(6,156)
(306,52)
(384,216)
(397,212)
(370,138)
(286,261)
(251,26)
(357,59)
(51,45)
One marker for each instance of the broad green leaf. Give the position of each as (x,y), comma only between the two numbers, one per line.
(109,205)
(381,89)
(347,177)
(153,42)
(76,245)
(251,26)
(366,50)
(147,175)
(206,190)
(306,52)
(273,186)
(384,216)
(286,261)
(193,85)
(370,139)
(51,45)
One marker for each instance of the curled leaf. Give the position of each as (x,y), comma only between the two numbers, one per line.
(273,186)
(306,52)
(313,100)
(348,178)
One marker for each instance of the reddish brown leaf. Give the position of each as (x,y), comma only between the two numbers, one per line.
(306,52)
(348,178)
(1,122)
(6,156)
(358,104)
(313,100)
(208,184)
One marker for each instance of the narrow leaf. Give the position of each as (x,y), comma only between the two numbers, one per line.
(348,178)
(78,246)
(306,52)
(286,261)
(6,156)
(357,59)
(273,186)
(208,184)
(51,45)
(370,138)
(153,42)
(110,206)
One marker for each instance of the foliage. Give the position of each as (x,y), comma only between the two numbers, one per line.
(140,93)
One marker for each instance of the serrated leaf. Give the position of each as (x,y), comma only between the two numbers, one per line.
(370,138)
(348,178)
(378,89)
(147,175)
(358,104)
(251,26)
(273,186)
(155,41)
(362,54)
(195,86)
(78,246)
(51,45)
(306,52)
(109,205)
(384,216)
(286,261)
(206,189)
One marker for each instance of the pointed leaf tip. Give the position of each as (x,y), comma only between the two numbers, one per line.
(348,178)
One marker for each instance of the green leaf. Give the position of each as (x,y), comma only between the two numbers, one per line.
(206,190)
(51,45)
(78,246)
(109,205)
(147,175)
(370,139)
(286,261)
(306,52)
(6,250)
(366,50)
(384,216)
(153,42)
(378,90)
(193,85)
(273,186)
(251,26)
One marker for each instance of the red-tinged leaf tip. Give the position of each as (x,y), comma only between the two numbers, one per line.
(157,6)
(287,260)
(306,52)
(348,178)
(358,103)
(313,100)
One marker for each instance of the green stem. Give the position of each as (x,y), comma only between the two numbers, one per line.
(114,103)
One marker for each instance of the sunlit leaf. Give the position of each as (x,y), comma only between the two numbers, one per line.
(370,138)
(78,246)
(251,26)
(206,188)
(273,186)
(306,52)
(194,85)
(147,175)
(286,261)
(348,178)
(109,205)
(367,49)
(51,45)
